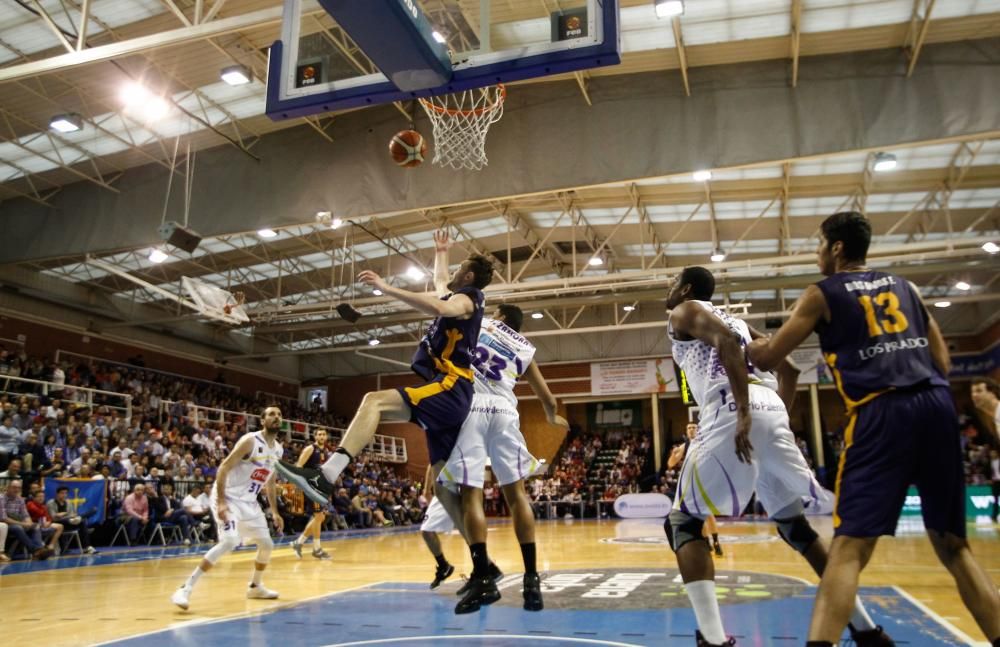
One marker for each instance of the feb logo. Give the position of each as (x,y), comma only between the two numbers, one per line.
(260,474)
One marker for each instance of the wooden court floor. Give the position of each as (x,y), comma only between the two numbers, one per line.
(87,604)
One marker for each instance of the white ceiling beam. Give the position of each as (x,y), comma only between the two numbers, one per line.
(131,46)
(915,36)
(681,54)
(796,39)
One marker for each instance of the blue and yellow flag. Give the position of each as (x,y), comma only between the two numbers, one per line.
(88,497)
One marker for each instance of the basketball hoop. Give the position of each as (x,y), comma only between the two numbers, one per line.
(461,121)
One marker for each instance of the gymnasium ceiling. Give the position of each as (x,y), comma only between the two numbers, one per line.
(934,211)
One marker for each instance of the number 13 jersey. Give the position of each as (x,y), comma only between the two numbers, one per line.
(502,356)
(247,478)
(877,335)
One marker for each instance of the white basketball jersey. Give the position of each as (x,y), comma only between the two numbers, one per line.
(247,478)
(700,362)
(502,356)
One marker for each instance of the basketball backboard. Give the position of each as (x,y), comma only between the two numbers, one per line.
(329,52)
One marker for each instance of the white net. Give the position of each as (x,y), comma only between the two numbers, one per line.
(461,121)
(215,302)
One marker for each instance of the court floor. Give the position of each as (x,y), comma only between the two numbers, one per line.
(605,582)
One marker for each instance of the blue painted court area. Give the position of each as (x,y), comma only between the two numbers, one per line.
(409,614)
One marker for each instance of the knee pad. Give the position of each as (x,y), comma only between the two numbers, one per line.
(264,547)
(797,532)
(227,544)
(682,528)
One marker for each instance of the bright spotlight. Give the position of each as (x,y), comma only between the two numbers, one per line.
(628,308)
(537,315)
(67,123)
(267,233)
(718,255)
(962,285)
(596,261)
(158,256)
(439,37)
(415,273)
(702,176)
(942,304)
(668,8)
(991,247)
(884,162)
(236,75)
(373,342)
(377,292)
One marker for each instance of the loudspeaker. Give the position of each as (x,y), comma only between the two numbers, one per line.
(179,236)
(772,322)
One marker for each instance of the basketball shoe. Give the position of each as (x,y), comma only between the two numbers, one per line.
(481,591)
(309,480)
(441,574)
(261,592)
(297,547)
(876,637)
(319,553)
(532,592)
(494,573)
(182,597)
(701,642)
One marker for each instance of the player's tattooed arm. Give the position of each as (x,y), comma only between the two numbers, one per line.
(787,373)
(766,353)
(690,319)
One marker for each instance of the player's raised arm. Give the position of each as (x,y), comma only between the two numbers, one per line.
(459,305)
(691,319)
(767,353)
(441,262)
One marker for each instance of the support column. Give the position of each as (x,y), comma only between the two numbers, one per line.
(817,427)
(657,433)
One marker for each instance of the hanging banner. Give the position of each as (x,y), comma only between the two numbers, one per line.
(814,369)
(977,364)
(629,377)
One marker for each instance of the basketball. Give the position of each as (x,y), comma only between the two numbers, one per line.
(408,148)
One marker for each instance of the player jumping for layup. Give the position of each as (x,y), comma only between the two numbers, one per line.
(247,470)
(443,358)
(890,363)
(493,429)
(743,443)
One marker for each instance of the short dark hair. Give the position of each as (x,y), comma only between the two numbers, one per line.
(852,229)
(513,318)
(701,281)
(482,268)
(62,488)
(991,385)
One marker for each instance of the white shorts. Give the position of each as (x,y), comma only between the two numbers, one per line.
(714,481)
(436,518)
(246,519)
(493,429)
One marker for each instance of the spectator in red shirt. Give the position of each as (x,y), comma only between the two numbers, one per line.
(39,513)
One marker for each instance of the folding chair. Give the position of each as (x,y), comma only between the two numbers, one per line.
(67,539)
(123,531)
(173,532)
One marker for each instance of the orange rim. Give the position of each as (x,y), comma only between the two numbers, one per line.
(427,103)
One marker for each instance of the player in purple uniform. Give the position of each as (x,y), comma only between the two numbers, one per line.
(440,406)
(889,363)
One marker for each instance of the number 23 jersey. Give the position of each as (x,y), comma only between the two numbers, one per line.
(877,337)
(502,356)
(247,478)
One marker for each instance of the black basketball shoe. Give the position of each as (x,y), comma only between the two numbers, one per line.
(441,574)
(876,637)
(494,573)
(533,592)
(701,642)
(310,481)
(481,591)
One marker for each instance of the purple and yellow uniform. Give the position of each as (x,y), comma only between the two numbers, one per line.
(444,358)
(902,426)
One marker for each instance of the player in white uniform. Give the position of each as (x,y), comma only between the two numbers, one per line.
(248,470)
(436,520)
(743,444)
(493,429)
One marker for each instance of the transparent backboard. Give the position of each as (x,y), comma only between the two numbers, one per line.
(317,65)
(215,302)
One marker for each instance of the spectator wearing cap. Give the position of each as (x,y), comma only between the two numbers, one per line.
(14,513)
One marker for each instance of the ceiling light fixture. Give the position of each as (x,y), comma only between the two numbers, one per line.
(668,8)
(628,308)
(942,304)
(962,285)
(373,342)
(884,162)
(139,99)
(537,315)
(595,261)
(236,75)
(68,123)
(335,222)
(377,292)
(157,255)
(702,176)
(266,233)
(718,255)
(415,273)
(990,247)
(439,37)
